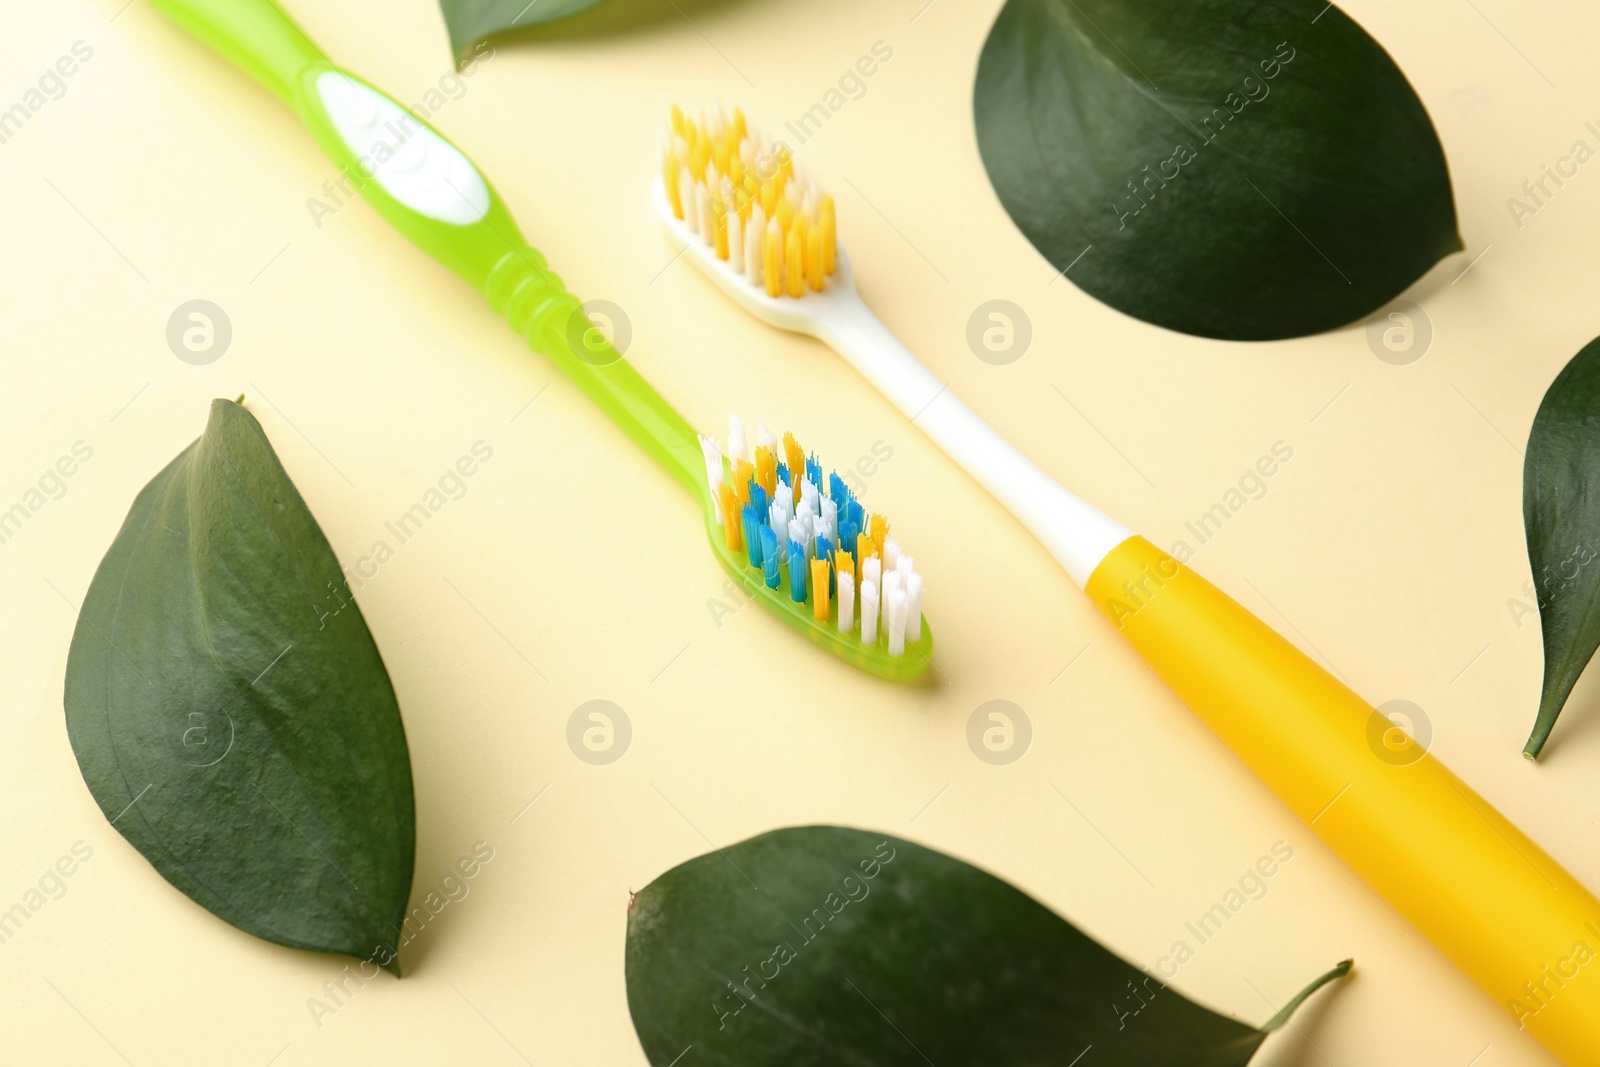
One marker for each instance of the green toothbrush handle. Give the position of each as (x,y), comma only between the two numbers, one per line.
(255,35)
(433,194)
(538,306)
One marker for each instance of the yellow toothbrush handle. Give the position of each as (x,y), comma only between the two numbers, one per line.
(1505,912)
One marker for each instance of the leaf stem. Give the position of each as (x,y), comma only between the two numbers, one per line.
(1541,730)
(1289,1009)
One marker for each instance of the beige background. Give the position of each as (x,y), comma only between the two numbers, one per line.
(1391,544)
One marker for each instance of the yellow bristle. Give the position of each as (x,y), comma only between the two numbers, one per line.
(679,125)
(671,166)
(785,213)
(819,590)
(719,221)
(880,533)
(732,520)
(772,258)
(743,471)
(740,127)
(796,461)
(794,259)
(830,236)
(816,275)
(845,565)
(699,156)
(766,470)
(769,196)
(719,155)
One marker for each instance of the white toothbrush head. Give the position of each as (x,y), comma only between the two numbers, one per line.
(743,210)
(800,315)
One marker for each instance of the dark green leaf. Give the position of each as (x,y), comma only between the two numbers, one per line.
(230,712)
(829,945)
(1561,510)
(1227,168)
(472,20)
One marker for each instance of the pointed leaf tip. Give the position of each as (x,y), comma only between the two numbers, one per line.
(1561,514)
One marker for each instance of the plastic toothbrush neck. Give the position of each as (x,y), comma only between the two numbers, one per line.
(1077,534)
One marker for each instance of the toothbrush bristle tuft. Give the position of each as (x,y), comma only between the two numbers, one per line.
(807,537)
(750,202)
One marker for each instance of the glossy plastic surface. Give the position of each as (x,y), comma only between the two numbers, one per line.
(1493,901)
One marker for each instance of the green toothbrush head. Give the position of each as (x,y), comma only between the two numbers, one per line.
(804,546)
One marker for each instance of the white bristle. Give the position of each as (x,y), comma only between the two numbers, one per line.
(830,520)
(891,582)
(905,567)
(767,439)
(808,497)
(896,622)
(872,573)
(713,458)
(891,554)
(847,604)
(738,448)
(797,533)
(914,608)
(869,613)
(783,502)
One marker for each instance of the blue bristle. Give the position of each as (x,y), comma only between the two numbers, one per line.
(839,493)
(797,572)
(758,497)
(814,471)
(848,532)
(783,474)
(752,538)
(857,516)
(769,555)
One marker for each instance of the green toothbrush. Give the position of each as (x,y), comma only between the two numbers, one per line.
(802,547)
